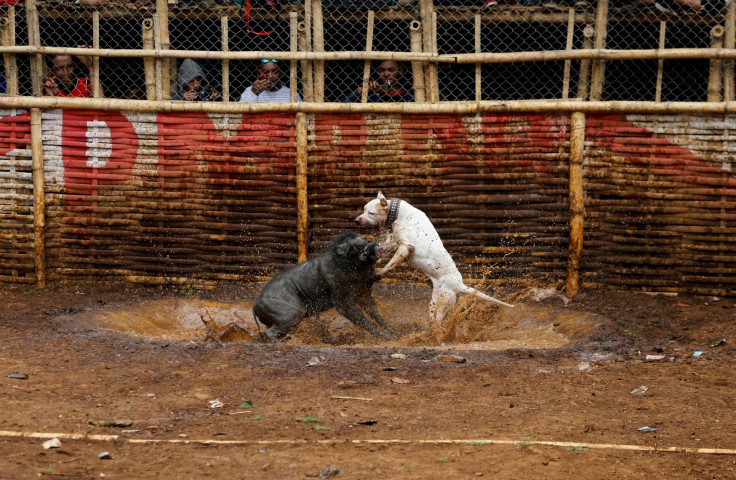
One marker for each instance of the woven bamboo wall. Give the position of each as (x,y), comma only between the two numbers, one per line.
(174,197)
(660,197)
(16,199)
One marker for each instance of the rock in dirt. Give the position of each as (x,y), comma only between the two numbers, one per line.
(18,376)
(104,456)
(326,473)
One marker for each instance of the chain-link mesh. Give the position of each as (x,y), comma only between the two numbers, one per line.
(447,28)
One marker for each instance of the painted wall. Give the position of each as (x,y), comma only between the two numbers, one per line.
(160,197)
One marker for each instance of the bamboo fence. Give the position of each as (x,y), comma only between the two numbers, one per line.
(577,192)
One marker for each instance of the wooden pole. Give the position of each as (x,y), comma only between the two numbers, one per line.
(225,62)
(729,42)
(96,90)
(601,33)
(34,39)
(660,62)
(417,68)
(454,58)
(478,76)
(164,87)
(149,63)
(39,199)
(9,59)
(450,108)
(434,84)
(293,47)
(318,43)
(368,48)
(568,47)
(715,71)
(307,90)
(577,205)
(585,64)
(302,204)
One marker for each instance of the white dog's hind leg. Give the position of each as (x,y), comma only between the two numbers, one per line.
(441,303)
(472,291)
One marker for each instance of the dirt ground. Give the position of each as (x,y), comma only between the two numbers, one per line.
(548,390)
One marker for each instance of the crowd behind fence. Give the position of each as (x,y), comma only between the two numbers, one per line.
(449,51)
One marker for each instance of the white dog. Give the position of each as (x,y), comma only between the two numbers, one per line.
(418,243)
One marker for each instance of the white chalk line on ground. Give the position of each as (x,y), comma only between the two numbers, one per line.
(470,441)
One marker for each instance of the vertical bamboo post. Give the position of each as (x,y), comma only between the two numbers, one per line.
(585,65)
(478,77)
(225,62)
(302,205)
(601,33)
(368,49)
(417,68)
(39,200)
(307,90)
(9,59)
(577,205)
(568,47)
(318,42)
(34,40)
(163,70)
(149,63)
(293,47)
(96,90)
(429,41)
(660,62)
(434,85)
(715,70)
(729,42)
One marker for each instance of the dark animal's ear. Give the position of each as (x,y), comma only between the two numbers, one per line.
(383,199)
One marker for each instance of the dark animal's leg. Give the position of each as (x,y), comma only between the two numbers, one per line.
(368,304)
(348,309)
(281,318)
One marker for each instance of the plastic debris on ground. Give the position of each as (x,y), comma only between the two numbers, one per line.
(719,343)
(53,443)
(698,353)
(646,429)
(654,358)
(400,356)
(104,455)
(216,403)
(313,361)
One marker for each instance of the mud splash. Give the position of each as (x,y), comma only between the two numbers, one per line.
(473,324)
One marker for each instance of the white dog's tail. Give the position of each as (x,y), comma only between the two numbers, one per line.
(482,295)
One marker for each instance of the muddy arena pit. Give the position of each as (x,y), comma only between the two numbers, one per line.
(106,380)
(473,323)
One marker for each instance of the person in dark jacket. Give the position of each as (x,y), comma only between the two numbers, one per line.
(193,84)
(388,87)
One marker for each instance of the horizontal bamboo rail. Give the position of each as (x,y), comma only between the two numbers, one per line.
(460,58)
(460,108)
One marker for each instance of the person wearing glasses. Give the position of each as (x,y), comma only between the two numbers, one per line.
(269,85)
(387,88)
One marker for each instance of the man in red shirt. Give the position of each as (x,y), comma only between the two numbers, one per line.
(64,81)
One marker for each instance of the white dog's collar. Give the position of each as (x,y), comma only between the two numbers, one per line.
(393,212)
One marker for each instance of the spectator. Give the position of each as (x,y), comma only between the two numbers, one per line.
(193,84)
(668,6)
(269,86)
(64,81)
(388,87)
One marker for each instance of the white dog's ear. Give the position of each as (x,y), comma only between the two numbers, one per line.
(383,200)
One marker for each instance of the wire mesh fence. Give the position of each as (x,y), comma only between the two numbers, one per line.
(445,29)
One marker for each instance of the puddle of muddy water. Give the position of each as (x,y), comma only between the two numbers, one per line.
(474,324)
